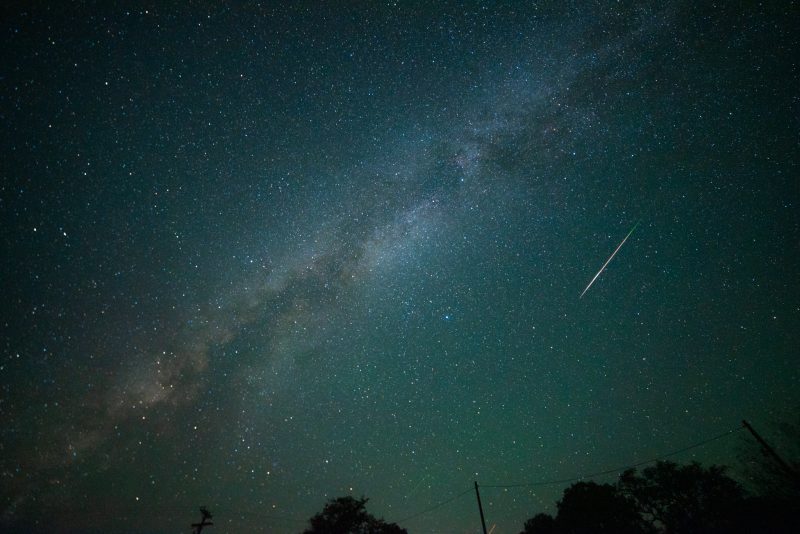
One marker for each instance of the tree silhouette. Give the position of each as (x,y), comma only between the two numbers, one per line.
(591,507)
(684,499)
(540,524)
(347,515)
(667,498)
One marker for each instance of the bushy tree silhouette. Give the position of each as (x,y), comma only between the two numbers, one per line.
(688,498)
(540,524)
(667,498)
(589,507)
(346,515)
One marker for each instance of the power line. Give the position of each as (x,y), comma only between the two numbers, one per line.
(244,516)
(617,469)
(575,479)
(438,505)
(434,507)
(204,522)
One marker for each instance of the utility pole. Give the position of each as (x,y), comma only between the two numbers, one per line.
(480,507)
(770,451)
(198,527)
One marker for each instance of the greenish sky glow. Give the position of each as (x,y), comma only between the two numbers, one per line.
(261,256)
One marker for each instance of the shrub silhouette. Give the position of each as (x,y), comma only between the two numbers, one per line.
(346,515)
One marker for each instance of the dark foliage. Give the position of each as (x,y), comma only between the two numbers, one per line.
(347,515)
(684,499)
(540,524)
(591,507)
(666,498)
(766,514)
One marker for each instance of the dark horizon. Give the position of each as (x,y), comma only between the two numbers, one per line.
(751,448)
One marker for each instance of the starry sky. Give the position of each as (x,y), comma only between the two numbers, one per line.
(258,256)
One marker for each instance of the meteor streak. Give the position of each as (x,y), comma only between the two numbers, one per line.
(610,258)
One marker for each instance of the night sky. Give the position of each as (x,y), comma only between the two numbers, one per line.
(257,257)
